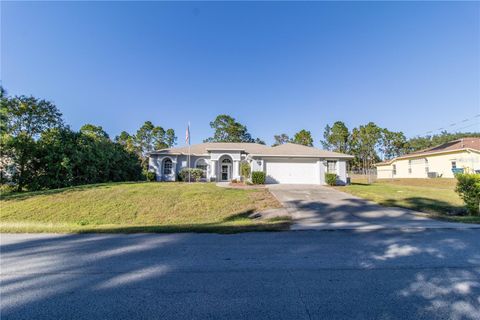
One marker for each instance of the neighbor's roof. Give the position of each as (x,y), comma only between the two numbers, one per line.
(455,145)
(254,149)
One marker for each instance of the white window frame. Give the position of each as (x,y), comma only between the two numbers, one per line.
(165,168)
(206,165)
(334,162)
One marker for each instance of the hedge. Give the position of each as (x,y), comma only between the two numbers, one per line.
(195,174)
(258,177)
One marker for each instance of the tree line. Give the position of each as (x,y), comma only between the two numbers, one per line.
(39,151)
(368,143)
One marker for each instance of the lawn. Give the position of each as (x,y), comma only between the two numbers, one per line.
(139,207)
(434,196)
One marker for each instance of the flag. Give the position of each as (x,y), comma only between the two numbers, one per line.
(187,135)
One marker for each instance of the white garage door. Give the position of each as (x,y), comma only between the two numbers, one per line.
(291,171)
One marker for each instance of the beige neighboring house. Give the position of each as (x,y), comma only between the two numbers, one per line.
(440,161)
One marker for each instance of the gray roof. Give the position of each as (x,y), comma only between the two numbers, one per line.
(254,149)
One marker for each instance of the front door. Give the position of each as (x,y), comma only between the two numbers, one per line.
(225,172)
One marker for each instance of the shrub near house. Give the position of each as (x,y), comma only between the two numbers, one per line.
(258,177)
(331,179)
(468,187)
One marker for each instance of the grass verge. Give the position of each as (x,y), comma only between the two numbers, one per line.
(433,196)
(139,207)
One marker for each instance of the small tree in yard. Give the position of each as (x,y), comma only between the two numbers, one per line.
(468,187)
(245,170)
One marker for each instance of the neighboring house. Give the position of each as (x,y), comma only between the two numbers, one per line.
(287,163)
(440,161)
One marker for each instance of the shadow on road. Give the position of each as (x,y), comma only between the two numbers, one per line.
(383,274)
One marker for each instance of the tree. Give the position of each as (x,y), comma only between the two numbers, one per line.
(280,139)
(149,138)
(259,141)
(227,129)
(303,137)
(336,137)
(170,138)
(364,144)
(93,131)
(420,143)
(68,158)
(23,120)
(126,140)
(393,144)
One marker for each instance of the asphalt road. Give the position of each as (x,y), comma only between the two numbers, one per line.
(386,274)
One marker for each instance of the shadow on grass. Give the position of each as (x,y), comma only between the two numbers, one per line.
(232,224)
(196,228)
(427,205)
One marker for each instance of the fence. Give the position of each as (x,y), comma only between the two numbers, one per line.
(367,176)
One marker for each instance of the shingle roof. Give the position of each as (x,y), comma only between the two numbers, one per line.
(471,143)
(287,149)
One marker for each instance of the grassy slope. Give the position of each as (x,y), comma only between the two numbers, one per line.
(137,207)
(434,196)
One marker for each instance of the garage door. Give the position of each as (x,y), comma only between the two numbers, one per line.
(289,171)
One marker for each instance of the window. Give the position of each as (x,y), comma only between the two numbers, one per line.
(202,165)
(167,166)
(394,169)
(226,160)
(332,166)
(426,166)
(410,166)
(454,164)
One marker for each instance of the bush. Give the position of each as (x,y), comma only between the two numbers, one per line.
(468,187)
(244,170)
(331,179)
(258,177)
(150,175)
(195,174)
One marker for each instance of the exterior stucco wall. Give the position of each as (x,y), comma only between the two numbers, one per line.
(257,164)
(180,162)
(341,172)
(440,164)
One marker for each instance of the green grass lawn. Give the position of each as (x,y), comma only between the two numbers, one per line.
(434,196)
(138,207)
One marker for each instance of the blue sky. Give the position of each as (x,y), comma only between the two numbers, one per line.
(274,66)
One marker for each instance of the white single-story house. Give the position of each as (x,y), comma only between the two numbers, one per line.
(220,161)
(440,161)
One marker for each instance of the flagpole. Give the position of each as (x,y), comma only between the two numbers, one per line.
(189,169)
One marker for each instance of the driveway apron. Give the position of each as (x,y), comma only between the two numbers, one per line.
(315,207)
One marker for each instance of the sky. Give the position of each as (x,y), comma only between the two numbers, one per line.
(277,67)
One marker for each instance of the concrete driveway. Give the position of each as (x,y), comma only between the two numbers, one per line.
(316,207)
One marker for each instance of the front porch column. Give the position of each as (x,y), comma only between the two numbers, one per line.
(213,170)
(174,169)
(236,170)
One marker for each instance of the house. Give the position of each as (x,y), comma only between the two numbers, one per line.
(286,163)
(440,161)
